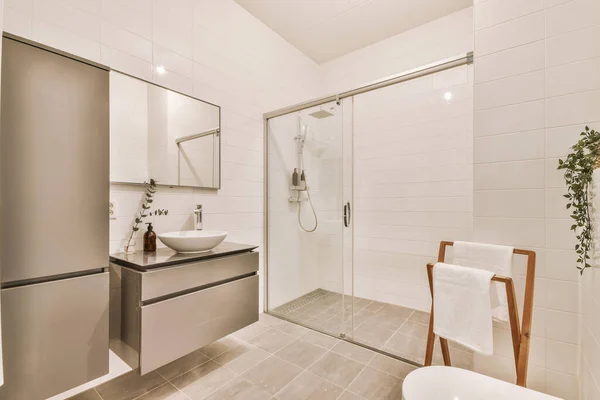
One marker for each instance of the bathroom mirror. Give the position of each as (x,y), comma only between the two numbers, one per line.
(160,134)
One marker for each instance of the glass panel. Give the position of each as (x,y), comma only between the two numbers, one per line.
(305,218)
(413,188)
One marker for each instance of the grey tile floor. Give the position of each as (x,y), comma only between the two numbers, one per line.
(271,359)
(396,330)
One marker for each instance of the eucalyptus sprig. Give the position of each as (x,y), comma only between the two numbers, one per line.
(145,206)
(579,167)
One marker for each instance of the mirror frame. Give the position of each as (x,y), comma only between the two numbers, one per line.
(220,134)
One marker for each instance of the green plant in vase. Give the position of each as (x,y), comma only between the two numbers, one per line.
(579,167)
(144,211)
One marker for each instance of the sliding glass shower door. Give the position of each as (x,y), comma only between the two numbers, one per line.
(309,218)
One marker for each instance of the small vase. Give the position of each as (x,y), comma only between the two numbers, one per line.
(129,246)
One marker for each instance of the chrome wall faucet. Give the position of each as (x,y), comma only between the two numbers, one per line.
(198,217)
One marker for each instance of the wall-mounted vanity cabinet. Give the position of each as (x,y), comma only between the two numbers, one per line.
(165,305)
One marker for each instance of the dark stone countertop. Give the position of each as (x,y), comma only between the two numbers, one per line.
(167,257)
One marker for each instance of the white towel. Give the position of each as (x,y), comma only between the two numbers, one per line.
(493,258)
(461,306)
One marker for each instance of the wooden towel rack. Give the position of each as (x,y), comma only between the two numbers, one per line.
(520,332)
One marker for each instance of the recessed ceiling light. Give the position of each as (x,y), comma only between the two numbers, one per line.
(160,69)
(448,96)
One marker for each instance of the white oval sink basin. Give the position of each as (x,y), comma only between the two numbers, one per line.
(192,241)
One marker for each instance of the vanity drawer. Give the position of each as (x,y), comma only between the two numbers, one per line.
(172,328)
(166,281)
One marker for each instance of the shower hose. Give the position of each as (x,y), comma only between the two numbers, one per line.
(311,205)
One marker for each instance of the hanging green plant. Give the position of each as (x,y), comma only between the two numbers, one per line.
(579,167)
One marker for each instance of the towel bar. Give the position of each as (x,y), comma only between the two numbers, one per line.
(520,332)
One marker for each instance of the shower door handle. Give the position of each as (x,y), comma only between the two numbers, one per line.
(347,214)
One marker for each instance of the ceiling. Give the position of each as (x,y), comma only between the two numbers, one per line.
(326,29)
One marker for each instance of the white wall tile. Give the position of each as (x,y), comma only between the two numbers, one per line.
(508,119)
(556,204)
(173,62)
(560,139)
(126,63)
(572,16)
(554,177)
(66,40)
(591,352)
(23,6)
(133,15)
(573,46)
(126,41)
(68,17)
(492,12)
(554,3)
(509,203)
(559,235)
(572,109)
(560,265)
(91,6)
(560,325)
(513,33)
(173,25)
(563,385)
(517,89)
(17,22)
(519,232)
(589,387)
(509,147)
(509,175)
(572,78)
(511,62)
(173,80)
(562,357)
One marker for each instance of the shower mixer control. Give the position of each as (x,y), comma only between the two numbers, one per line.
(296,199)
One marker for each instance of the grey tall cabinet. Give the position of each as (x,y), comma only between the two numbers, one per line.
(54,192)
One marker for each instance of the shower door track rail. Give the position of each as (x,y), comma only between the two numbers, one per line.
(390,80)
(415,73)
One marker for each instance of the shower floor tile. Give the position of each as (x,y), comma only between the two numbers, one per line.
(397,330)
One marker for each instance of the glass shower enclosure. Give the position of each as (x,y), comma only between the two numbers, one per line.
(355,205)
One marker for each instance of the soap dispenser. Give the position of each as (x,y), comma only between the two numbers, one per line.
(149,238)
